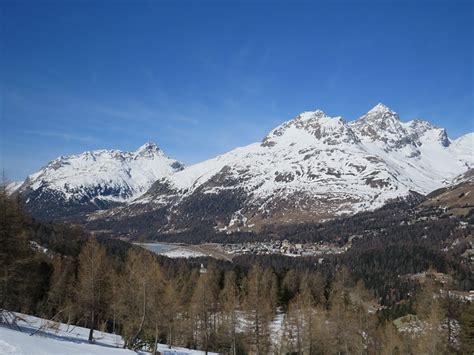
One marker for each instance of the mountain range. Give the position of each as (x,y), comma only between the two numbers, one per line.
(93,180)
(310,168)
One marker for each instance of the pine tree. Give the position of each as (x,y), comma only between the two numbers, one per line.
(428,308)
(388,340)
(134,291)
(156,322)
(204,308)
(171,309)
(15,254)
(92,284)
(185,326)
(260,304)
(61,289)
(229,301)
(315,284)
(343,315)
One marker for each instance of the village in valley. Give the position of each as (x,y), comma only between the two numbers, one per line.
(284,247)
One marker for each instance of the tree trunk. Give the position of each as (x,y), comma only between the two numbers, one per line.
(91,331)
(234,350)
(91,334)
(156,340)
(170,334)
(142,322)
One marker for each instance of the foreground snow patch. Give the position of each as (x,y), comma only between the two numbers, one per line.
(16,342)
(59,338)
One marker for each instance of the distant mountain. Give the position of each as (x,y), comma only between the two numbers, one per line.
(77,184)
(310,168)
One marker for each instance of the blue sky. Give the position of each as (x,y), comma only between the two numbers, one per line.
(202,77)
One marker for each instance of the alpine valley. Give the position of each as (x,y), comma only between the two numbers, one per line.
(311,168)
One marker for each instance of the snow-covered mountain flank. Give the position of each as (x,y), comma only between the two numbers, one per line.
(92,180)
(311,168)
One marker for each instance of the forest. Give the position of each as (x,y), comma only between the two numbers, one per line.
(346,304)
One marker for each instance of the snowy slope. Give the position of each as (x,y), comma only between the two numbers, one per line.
(316,167)
(107,174)
(313,142)
(419,153)
(461,148)
(15,342)
(13,187)
(66,340)
(97,178)
(310,168)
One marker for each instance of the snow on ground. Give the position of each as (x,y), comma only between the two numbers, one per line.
(13,186)
(16,342)
(62,339)
(171,250)
(180,252)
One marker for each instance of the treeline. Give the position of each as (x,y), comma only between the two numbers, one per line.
(398,239)
(391,219)
(256,305)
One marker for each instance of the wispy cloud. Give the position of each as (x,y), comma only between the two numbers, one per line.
(61,107)
(61,135)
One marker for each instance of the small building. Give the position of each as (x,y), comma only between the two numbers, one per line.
(464,295)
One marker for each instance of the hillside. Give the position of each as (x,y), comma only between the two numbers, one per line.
(63,273)
(457,198)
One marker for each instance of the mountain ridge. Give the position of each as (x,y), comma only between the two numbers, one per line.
(94,179)
(312,167)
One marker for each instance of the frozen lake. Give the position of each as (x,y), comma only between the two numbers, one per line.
(171,250)
(158,248)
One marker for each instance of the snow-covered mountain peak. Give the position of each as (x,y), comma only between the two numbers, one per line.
(380,108)
(312,166)
(463,148)
(147,149)
(309,168)
(312,121)
(381,116)
(427,132)
(99,176)
(421,126)
(312,127)
(382,126)
(466,140)
(311,116)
